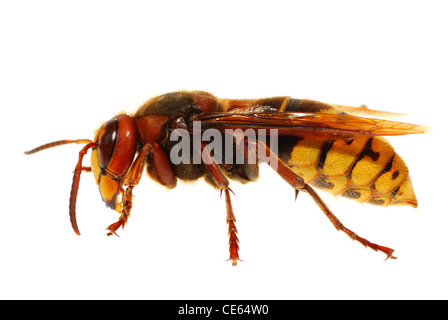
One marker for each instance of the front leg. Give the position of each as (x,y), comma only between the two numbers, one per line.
(124,209)
(133,176)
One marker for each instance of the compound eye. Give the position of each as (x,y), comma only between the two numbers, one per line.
(106,142)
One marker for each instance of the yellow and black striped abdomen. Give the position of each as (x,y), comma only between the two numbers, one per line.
(365,168)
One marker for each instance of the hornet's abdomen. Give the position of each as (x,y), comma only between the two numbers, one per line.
(364,168)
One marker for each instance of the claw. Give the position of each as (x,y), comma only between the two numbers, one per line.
(234,261)
(114,227)
(391,257)
(111,233)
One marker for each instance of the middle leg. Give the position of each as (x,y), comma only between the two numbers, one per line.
(221,181)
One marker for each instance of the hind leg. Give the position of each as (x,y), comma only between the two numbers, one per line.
(299,185)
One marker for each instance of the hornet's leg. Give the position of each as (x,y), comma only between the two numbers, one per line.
(298,184)
(133,176)
(124,208)
(223,184)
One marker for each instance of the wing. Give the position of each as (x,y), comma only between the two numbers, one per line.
(298,124)
(364,111)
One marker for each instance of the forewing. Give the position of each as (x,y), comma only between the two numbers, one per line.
(299,124)
(363,111)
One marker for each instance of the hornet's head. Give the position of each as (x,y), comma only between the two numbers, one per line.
(113,151)
(112,156)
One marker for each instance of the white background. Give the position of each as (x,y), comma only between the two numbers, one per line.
(66,67)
